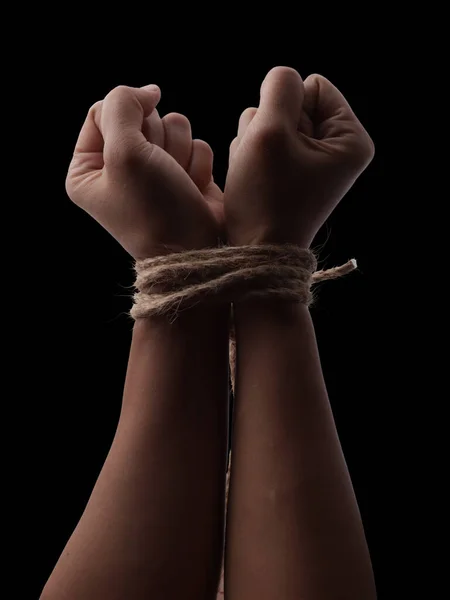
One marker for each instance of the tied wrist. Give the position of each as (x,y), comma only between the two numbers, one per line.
(170,284)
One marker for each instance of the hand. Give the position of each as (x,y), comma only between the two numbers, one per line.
(143,178)
(293,160)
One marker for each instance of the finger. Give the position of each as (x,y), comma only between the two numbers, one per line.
(281,96)
(233,147)
(123,113)
(305,125)
(245,119)
(323,100)
(201,164)
(90,138)
(333,116)
(153,129)
(178,138)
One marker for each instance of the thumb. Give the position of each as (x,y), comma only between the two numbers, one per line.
(123,113)
(281,96)
(324,103)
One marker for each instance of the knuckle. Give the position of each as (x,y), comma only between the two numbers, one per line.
(206,147)
(118,95)
(120,91)
(370,146)
(285,72)
(272,136)
(366,147)
(94,108)
(362,149)
(248,112)
(177,119)
(69,187)
(72,189)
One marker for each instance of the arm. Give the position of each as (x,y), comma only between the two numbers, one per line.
(153,527)
(293,525)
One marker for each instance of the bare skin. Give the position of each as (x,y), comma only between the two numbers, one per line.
(293,525)
(153,527)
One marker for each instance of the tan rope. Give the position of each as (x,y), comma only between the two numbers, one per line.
(169,284)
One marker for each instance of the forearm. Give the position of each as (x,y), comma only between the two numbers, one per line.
(293,526)
(153,527)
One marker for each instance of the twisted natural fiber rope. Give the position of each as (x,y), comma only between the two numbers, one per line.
(171,283)
(220,275)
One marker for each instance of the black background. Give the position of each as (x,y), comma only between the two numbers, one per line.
(79,336)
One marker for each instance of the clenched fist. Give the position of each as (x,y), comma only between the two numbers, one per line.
(143,178)
(293,160)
